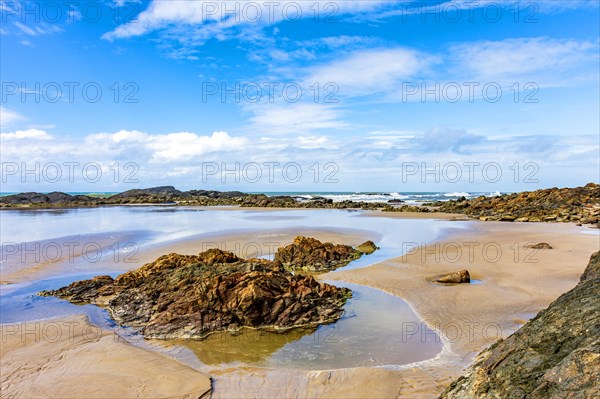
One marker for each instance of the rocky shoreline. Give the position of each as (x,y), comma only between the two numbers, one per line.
(554,355)
(193,296)
(575,205)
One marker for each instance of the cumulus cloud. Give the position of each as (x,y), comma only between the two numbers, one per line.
(165,147)
(177,158)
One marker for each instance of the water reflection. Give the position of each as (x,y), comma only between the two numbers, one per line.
(376,329)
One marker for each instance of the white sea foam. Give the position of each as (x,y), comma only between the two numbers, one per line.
(457,194)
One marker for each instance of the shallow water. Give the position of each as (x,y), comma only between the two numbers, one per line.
(377,328)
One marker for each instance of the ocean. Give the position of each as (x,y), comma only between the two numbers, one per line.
(415,197)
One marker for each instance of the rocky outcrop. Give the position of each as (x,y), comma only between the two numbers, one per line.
(579,205)
(192,296)
(312,255)
(592,272)
(53,198)
(555,355)
(460,277)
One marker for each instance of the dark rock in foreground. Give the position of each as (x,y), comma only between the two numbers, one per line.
(192,296)
(555,355)
(312,255)
(460,277)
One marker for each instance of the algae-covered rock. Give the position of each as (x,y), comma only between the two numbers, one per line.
(554,355)
(191,296)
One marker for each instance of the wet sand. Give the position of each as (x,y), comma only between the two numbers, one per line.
(512,288)
(69,358)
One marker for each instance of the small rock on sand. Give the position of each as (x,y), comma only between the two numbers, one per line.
(459,277)
(367,247)
(541,245)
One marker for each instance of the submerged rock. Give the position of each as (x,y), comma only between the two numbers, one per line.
(192,296)
(367,247)
(554,355)
(459,277)
(309,254)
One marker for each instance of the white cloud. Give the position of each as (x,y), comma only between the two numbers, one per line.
(536,59)
(26,134)
(313,142)
(36,29)
(300,117)
(371,71)
(8,117)
(26,29)
(164,147)
(346,41)
(174,146)
(219,18)
(177,158)
(387,73)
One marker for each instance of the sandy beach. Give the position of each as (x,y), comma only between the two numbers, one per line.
(512,284)
(70,358)
(514,287)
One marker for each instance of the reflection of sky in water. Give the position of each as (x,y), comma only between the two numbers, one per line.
(376,329)
(23,304)
(162,224)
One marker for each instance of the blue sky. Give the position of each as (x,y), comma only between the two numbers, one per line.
(401,85)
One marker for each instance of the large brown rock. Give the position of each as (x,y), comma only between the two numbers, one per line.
(191,296)
(554,355)
(309,254)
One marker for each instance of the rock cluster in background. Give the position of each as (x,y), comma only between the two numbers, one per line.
(578,205)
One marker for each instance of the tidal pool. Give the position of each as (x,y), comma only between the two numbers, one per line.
(377,328)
